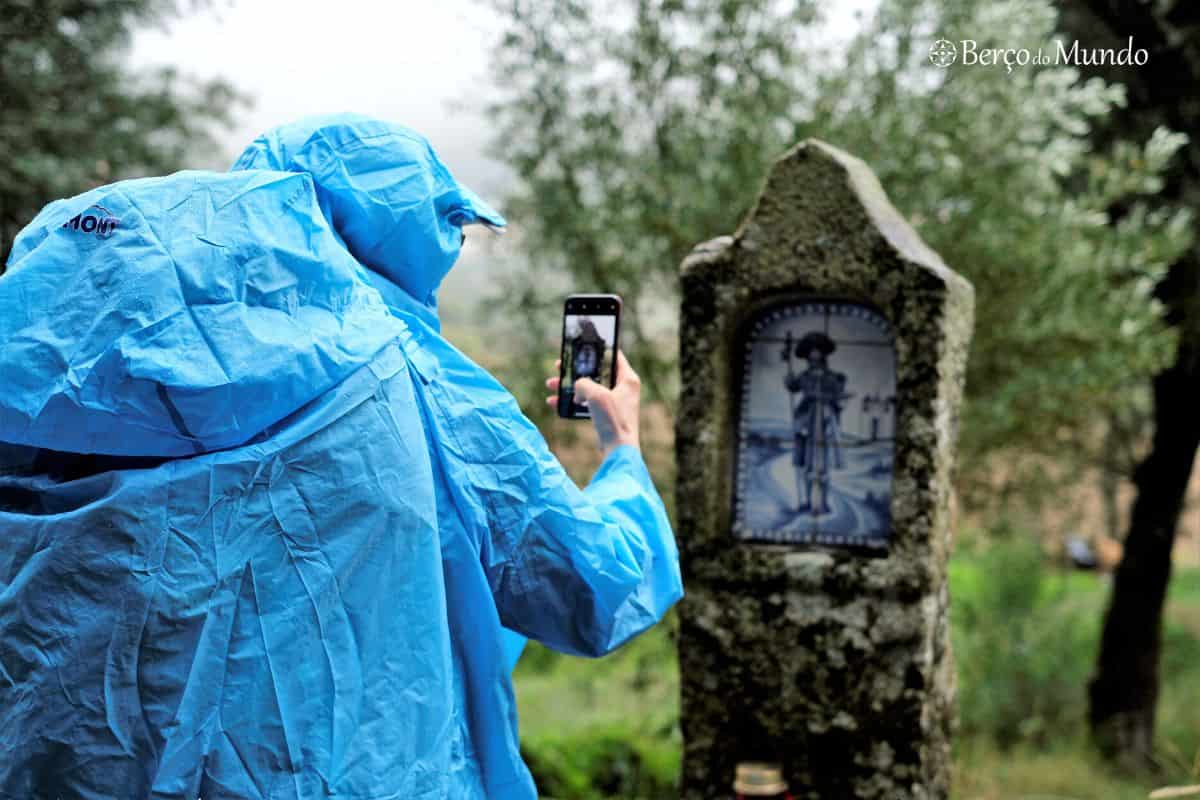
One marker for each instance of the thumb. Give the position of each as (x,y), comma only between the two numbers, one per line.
(586,389)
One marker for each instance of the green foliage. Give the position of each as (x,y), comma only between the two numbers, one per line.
(606,762)
(1023,643)
(640,130)
(636,132)
(1024,636)
(1065,770)
(74,116)
(606,728)
(1065,244)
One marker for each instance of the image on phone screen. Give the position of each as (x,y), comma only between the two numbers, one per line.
(588,351)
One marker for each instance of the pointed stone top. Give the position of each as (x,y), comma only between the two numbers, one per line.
(821,205)
(862,183)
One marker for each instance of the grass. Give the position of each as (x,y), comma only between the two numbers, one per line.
(1025,640)
(605,728)
(1066,772)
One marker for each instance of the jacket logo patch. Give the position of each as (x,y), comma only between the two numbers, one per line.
(96,220)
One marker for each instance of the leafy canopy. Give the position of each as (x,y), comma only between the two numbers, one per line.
(639,130)
(73,115)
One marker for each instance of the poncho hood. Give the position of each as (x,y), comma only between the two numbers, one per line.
(178,315)
(396,206)
(172,316)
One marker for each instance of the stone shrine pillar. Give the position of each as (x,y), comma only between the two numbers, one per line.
(822,360)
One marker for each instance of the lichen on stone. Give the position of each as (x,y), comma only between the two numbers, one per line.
(836,666)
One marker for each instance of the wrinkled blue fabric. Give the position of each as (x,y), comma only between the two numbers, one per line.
(395,205)
(356,160)
(260,523)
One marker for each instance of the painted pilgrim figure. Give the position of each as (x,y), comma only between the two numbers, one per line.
(816,418)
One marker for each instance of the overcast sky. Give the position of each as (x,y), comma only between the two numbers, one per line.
(411,62)
(415,62)
(405,61)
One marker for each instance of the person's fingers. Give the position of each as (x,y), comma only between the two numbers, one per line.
(553,383)
(588,391)
(552,401)
(585,387)
(626,376)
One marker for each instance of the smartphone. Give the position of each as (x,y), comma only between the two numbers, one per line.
(591,324)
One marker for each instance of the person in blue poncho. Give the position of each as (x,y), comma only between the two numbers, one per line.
(262,528)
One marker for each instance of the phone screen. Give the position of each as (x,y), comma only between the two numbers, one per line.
(589,348)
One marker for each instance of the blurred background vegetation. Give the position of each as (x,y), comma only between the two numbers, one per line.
(1024,632)
(72,113)
(632,130)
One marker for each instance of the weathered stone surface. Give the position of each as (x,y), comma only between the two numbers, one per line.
(837,666)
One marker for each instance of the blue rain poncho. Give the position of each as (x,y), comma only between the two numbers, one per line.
(260,524)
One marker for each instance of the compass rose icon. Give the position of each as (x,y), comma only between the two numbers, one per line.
(943,53)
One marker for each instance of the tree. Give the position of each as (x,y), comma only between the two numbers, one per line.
(73,116)
(1124,690)
(636,133)
(645,131)
(1000,174)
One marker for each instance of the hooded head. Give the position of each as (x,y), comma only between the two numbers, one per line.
(394,204)
(178,315)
